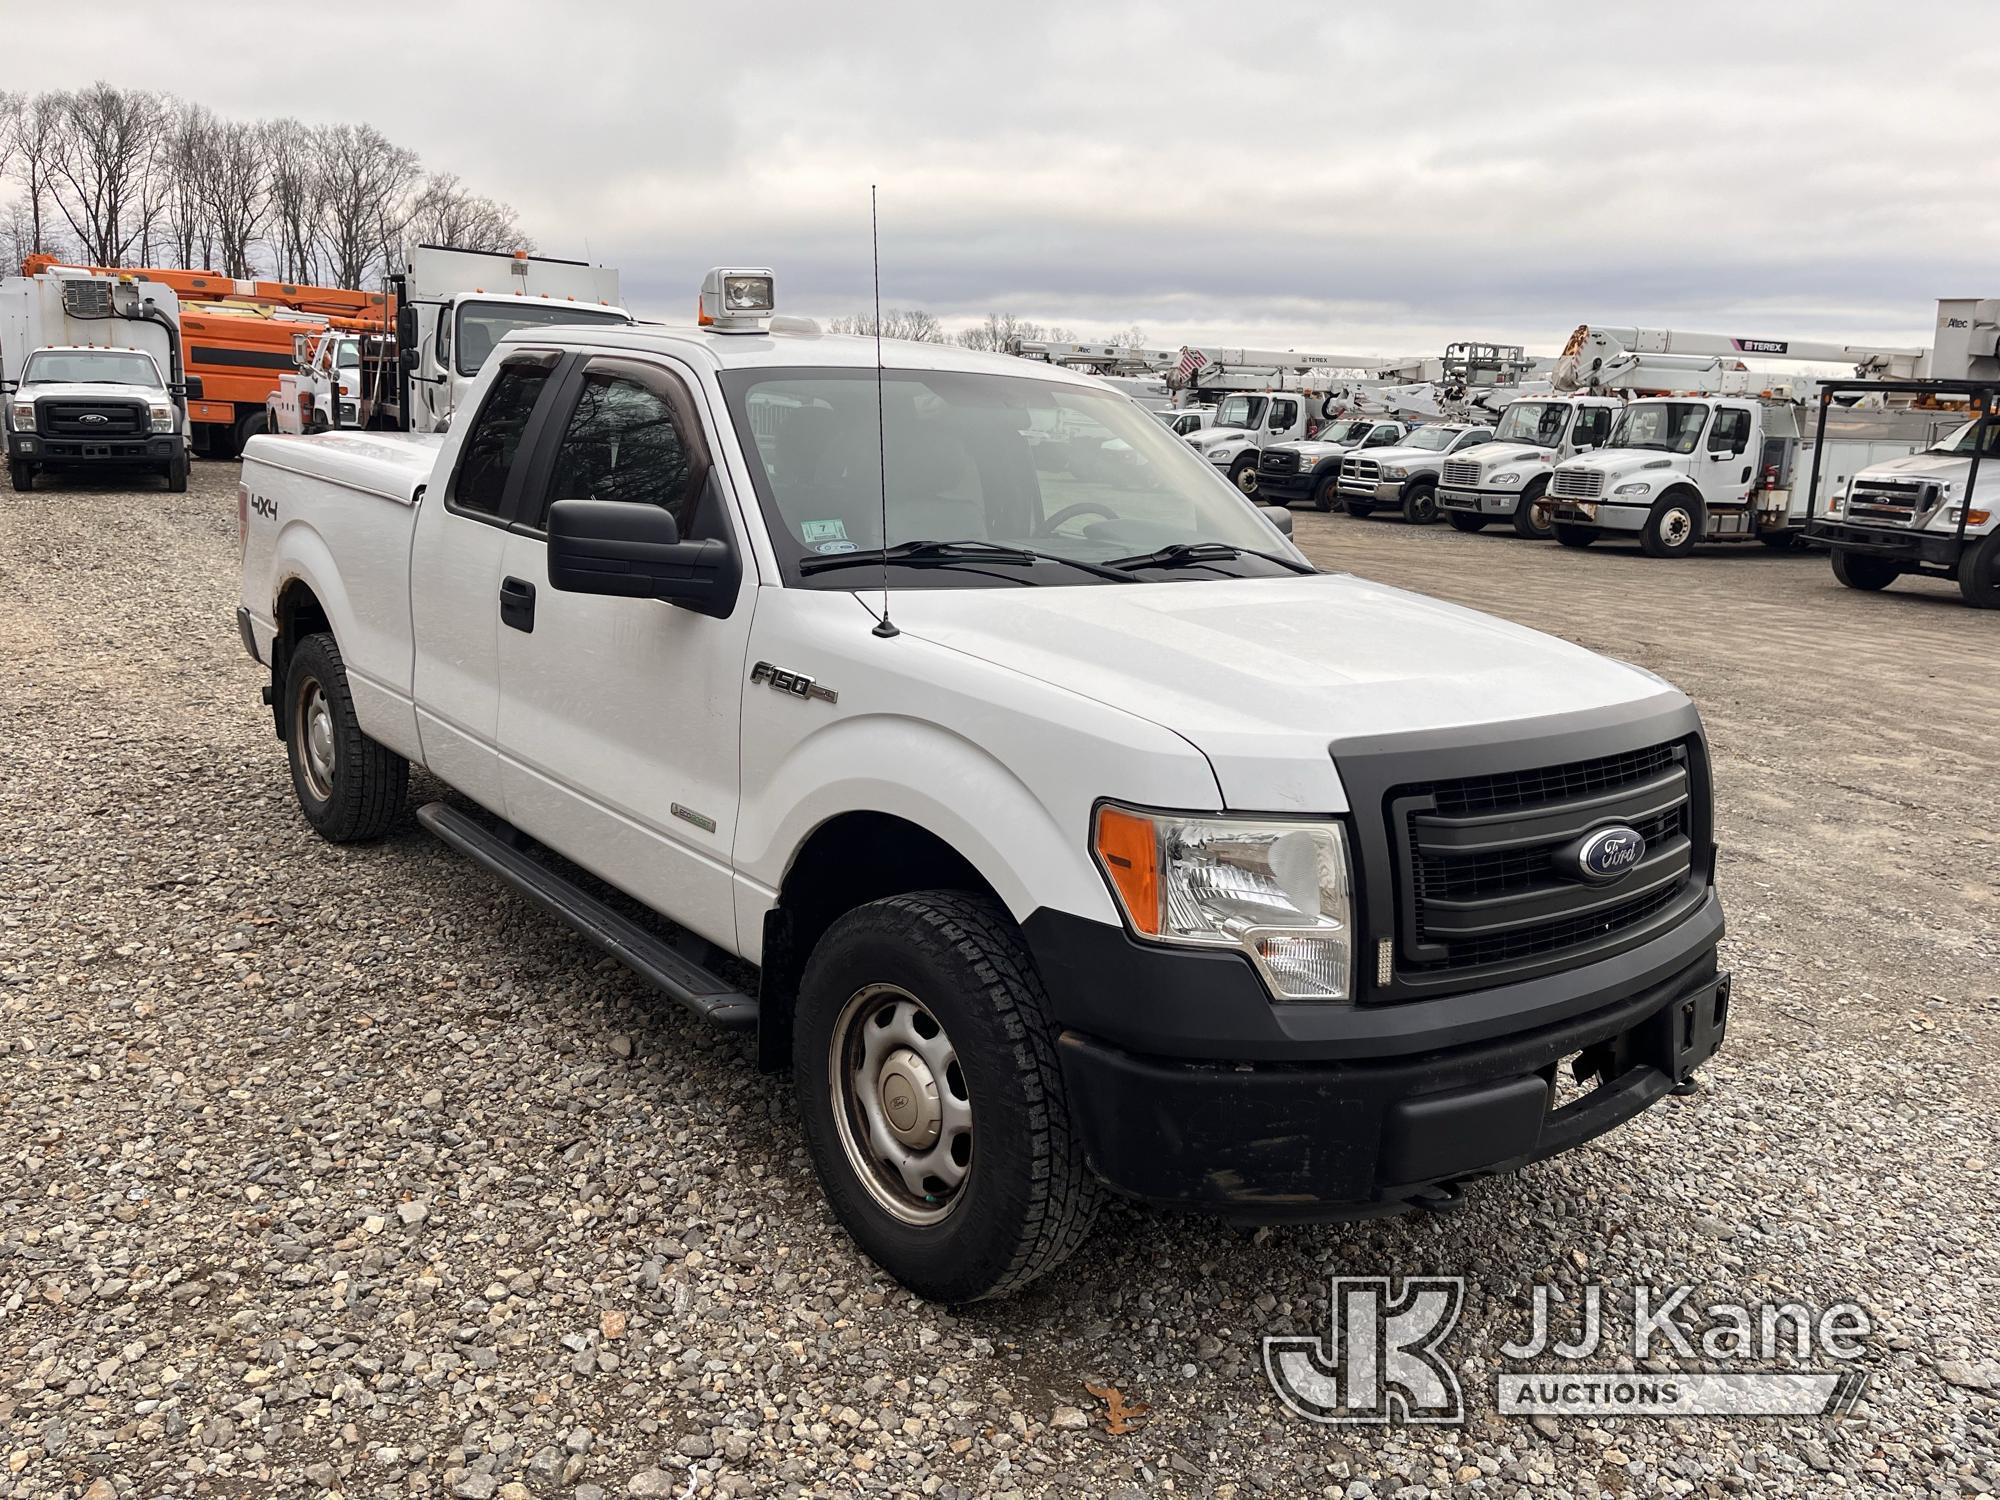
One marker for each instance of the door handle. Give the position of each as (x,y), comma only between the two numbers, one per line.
(517,604)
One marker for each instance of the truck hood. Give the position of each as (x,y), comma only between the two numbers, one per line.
(1499,453)
(1265,675)
(1927,466)
(85,391)
(1317,450)
(1616,463)
(1208,437)
(1407,456)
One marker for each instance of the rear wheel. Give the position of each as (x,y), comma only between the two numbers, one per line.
(1326,492)
(1979,574)
(1420,503)
(1859,571)
(1465,520)
(1243,473)
(1531,515)
(349,787)
(921,1026)
(22,473)
(251,426)
(1673,527)
(1782,541)
(1572,535)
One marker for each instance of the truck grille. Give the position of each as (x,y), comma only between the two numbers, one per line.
(91,419)
(1892,502)
(1361,470)
(1461,473)
(1576,484)
(1278,461)
(1483,889)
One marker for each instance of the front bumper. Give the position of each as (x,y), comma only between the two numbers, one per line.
(1605,515)
(69,452)
(1934,549)
(1297,485)
(1375,491)
(1481,502)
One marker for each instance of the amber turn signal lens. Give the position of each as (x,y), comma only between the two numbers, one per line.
(1128,848)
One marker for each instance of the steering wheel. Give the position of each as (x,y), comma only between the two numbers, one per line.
(1071,512)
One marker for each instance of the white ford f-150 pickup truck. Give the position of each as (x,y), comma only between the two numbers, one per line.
(1066,832)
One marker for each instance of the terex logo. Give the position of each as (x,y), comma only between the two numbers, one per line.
(1761,346)
(1379,1361)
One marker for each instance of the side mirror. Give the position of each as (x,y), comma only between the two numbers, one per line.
(635,551)
(191,387)
(1279,516)
(406,328)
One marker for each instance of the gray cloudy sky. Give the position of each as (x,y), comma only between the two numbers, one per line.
(1289,175)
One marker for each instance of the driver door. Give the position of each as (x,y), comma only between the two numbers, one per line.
(1725,463)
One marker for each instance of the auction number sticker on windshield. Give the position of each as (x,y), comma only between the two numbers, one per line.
(823,531)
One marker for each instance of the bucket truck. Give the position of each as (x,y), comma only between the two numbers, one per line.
(1712,451)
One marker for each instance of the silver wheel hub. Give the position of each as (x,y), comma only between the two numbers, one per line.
(900,1103)
(1246,481)
(315,717)
(1676,526)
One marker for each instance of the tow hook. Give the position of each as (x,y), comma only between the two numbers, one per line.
(1440,1198)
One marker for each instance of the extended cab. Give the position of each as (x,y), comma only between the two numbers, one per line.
(1310,469)
(1403,477)
(1506,479)
(1054,821)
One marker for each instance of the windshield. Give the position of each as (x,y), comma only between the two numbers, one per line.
(1666,426)
(1346,432)
(1430,439)
(481,325)
(91,367)
(1536,422)
(1240,411)
(1066,470)
(1960,442)
(347,354)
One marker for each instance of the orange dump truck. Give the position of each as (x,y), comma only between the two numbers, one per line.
(237,335)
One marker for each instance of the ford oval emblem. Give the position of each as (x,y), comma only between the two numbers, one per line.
(1610,853)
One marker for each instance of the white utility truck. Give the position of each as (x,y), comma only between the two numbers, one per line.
(340,378)
(1934,513)
(1058,825)
(453,306)
(1505,479)
(90,377)
(1310,469)
(1403,477)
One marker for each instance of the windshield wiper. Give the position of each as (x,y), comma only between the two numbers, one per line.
(1186,554)
(930,553)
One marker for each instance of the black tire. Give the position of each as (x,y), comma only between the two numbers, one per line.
(1360,509)
(1326,492)
(1859,571)
(1673,527)
(1783,541)
(22,473)
(1466,520)
(177,472)
(349,787)
(1572,535)
(253,425)
(1420,502)
(1526,513)
(1243,473)
(1027,1198)
(1979,573)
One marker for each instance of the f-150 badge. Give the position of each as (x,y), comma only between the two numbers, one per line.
(795,683)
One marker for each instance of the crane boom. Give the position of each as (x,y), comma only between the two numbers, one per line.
(1599,357)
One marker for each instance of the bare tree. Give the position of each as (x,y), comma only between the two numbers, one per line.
(297,184)
(1003,331)
(897,323)
(11,105)
(100,172)
(235,187)
(37,143)
(364,178)
(444,213)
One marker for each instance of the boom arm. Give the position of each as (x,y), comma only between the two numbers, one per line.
(1599,358)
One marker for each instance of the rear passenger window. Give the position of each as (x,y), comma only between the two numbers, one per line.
(495,438)
(622,443)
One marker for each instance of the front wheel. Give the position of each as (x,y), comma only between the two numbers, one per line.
(1326,492)
(1572,535)
(1243,473)
(1465,520)
(349,787)
(1531,516)
(1420,504)
(22,473)
(1979,574)
(1672,529)
(177,472)
(1857,570)
(1358,508)
(933,1104)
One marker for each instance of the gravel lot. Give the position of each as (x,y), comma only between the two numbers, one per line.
(339,1170)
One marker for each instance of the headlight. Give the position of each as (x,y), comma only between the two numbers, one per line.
(163,418)
(1638,487)
(1512,476)
(24,416)
(1279,891)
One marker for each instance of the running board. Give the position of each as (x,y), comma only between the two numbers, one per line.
(707,995)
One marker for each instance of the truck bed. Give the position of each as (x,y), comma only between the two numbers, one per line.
(335,513)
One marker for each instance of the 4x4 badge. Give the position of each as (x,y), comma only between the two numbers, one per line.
(795,683)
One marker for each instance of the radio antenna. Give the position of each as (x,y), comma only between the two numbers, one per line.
(883,626)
